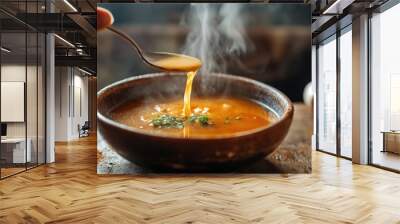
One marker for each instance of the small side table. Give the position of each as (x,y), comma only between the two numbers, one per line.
(15,151)
(391,141)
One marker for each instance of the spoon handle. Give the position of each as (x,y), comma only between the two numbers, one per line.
(129,39)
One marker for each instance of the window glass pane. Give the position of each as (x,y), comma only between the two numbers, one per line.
(385,84)
(41,98)
(327,96)
(346,94)
(22,88)
(31,88)
(14,150)
(31,98)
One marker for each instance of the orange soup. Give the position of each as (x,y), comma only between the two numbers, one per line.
(179,62)
(210,116)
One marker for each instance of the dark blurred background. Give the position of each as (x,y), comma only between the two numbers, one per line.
(278,39)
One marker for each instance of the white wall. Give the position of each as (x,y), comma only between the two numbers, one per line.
(33,126)
(16,73)
(71,92)
(80,115)
(61,103)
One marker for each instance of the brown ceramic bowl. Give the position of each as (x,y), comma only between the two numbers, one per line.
(192,154)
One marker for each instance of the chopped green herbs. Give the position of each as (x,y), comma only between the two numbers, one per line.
(170,121)
(167,121)
(192,119)
(201,119)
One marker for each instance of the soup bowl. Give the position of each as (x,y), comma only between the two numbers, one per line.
(165,152)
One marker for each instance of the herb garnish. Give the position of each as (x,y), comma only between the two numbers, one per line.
(170,121)
(167,121)
(201,119)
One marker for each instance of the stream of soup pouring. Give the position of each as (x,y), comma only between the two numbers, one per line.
(182,63)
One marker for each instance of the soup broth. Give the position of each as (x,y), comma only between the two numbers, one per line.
(178,62)
(210,116)
(182,63)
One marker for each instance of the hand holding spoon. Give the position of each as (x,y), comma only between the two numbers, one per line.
(161,60)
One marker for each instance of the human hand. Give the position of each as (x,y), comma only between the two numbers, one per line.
(104,18)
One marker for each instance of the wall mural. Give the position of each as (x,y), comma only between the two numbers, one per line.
(203,88)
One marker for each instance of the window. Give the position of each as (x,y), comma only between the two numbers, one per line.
(334,106)
(385,89)
(22,88)
(346,92)
(326,98)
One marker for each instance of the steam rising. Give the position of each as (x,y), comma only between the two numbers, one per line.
(217,31)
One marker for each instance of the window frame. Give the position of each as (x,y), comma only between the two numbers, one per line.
(346,27)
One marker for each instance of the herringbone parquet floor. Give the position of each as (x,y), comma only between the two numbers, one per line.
(70,191)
